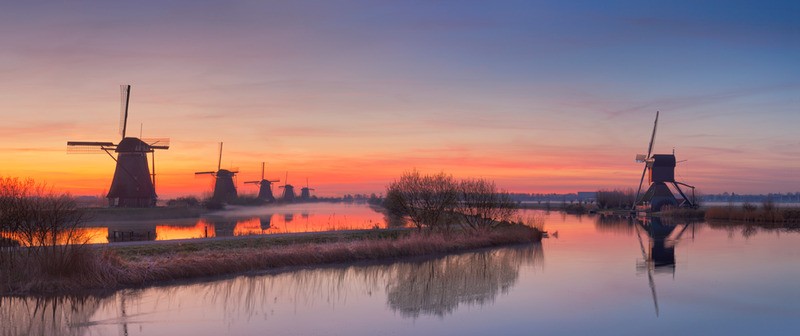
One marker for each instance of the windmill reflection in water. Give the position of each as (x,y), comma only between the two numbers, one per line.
(659,254)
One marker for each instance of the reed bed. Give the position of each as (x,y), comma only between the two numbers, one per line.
(753,214)
(103,269)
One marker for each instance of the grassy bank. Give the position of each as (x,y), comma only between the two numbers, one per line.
(118,267)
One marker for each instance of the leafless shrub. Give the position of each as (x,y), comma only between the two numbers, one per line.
(439,202)
(615,199)
(425,199)
(43,226)
(535,221)
(482,205)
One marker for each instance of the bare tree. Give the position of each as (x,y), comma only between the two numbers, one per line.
(482,205)
(40,230)
(426,199)
(615,199)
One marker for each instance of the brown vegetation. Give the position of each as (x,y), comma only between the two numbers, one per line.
(684,213)
(615,199)
(439,202)
(112,268)
(40,231)
(750,213)
(44,252)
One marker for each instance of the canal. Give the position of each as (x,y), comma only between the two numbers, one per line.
(594,275)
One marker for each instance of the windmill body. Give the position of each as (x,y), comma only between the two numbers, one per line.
(264,187)
(661,168)
(305,192)
(224,187)
(133,184)
(265,190)
(288,192)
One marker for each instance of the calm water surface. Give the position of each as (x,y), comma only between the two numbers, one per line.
(241,221)
(599,275)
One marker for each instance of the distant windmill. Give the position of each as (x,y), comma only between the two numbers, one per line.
(265,189)
(288,190)
(133,184)
(305,192)
(224,188)
(662,171)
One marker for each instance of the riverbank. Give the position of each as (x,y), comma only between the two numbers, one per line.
(109,268)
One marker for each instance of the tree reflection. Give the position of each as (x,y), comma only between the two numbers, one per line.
(47,315)
(433,286)
(614,224)
(437,287)
(429,286)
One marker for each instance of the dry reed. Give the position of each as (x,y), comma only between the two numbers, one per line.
(106,269)
(753,214)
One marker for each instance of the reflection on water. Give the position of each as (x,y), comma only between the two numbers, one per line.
(48,316)
(438,287)
(88,235)
(432,286)
(239,221)
(203,229)
(602,276)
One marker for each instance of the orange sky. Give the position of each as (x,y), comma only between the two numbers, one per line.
(350,98)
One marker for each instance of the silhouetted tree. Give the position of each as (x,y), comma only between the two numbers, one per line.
(482,205)
(426,199)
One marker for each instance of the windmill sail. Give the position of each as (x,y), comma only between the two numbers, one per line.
(133,184)
(645,158)
(125,95)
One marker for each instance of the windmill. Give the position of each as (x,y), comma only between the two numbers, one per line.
(224,188)
(305,192)
(265,186)
(662,171)
(134,182)
(288,190)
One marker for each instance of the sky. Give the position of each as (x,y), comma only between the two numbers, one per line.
(538,96)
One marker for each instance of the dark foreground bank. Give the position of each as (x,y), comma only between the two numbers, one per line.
(108,268)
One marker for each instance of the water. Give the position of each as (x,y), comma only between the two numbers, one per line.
(240,221)
(600,276)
